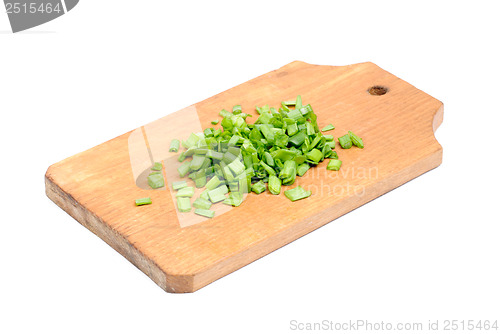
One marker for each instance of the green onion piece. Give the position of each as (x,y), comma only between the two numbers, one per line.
(315,155)
(213,183)
(267,132)
(328,137)
(297,139)
(214,155)
(281,140)
(226,114)
(356,140)
(334,164)
(155,172)
(174,145)
(288,103)
(222,189)
(237,109)
(334,155)
(157,166)
(259,187)
(298,102)
(302,169)
(204,194)
(345,141)
(143,201)
(267,168)
(300,159)
(216,195)
(237,167)
(327,150)
(269,159)
(215,122)
(234,199)
(274,185)
(283,154)
(208,132)
(197,162)
(156,181)
(183,204)
(181,157)
(292,129)
(201,203)
(297,193)
(236,151)
(310,129)
(185,192)
(205,213)
(295,115)
(316,141)
(184,168)
(191,141)
(179,184)
(289,172)
(328,128)
(200,182)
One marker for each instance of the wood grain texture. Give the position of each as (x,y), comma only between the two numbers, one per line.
(98,187)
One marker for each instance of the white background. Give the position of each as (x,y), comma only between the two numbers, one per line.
(427,250)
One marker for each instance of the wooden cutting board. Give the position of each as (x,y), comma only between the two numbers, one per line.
(184,252)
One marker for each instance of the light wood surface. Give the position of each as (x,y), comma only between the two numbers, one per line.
(184,252)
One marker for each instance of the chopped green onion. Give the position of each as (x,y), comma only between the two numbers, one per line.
(174,145)
(216,195)
(179,184)
(237,109)
(289,172)
(226,114)
(259,187)
(181,157)
(315,155)
(292,129)
(200,182)
(155,172)
(345,141)
(157,166)
(205,213)
(222,189)
(197,162)
(184,168)
(156,181)
(201,203)
(143,201)
(298,102)
(334,164)
(302,169)
(281,145)
(274,185)
(215,122)
(328,137)
(297,193)
(213,183)
(297,139)
(183,204)
(328,128)
(356,140)
(204,194)
(234,199)
(185,192)
(267,168)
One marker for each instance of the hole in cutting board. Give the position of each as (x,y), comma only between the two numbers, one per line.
(377,90)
